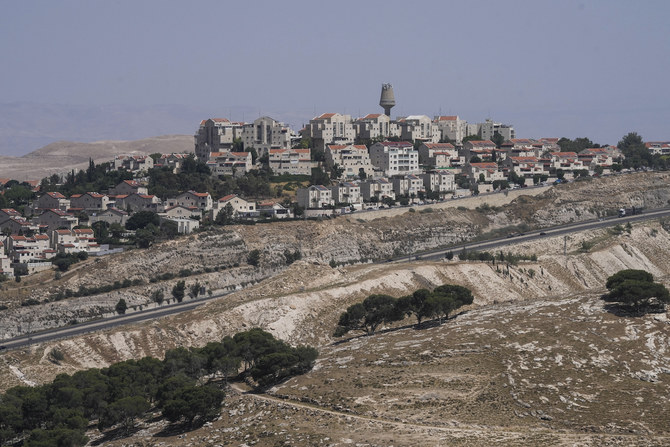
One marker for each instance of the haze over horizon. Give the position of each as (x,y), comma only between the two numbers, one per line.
(87,71)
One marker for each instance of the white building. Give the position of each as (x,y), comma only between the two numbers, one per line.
(377,189)
(352,158)
(347,192)
(216,135)
(440,155)
(240,206)
(418,127)
(316,196)
(395,158)
(235,164)
(375,126)
(266,133)
(439,181)
(330,128)
(410,185)
(291,161)
(451,127)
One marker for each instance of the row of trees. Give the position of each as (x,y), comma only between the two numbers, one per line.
(424,304)
(186,387)
(636,291)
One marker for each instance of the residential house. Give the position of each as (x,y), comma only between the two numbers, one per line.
(567,161)
(182,211)
(483,149)
(172,161)
(315,196)
(51,200)
(658,147)
(352,158)
(241,207)
(527,167)
(291,161)
(599,156)
(138,202)
(7,213)
(89,202)
(128,187)
(550,145)
(395,158)
(274,210)
(133,163)
(235,164)
(440,155)
(376,190)
(488,129)
(110,215)
(202,201)
(346,192)
(439,180)
(484,171)
(184,224)
(55,219)
(409,184)
(23,249)
(18,225)
(5,264)
(330,128)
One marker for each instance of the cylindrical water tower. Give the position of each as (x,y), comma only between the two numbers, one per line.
(387,99)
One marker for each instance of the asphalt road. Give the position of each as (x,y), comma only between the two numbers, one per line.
(143,315)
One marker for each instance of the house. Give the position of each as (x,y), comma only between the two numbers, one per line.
(395,157)
(7,213)
(23,249)
(352,158)
(274,210)
(527,167)
(439,180)
(5,264)
(189,212)
(241,207)
(376,190)
(440,155)
(599,156)
(484,172)
(346,192)
(138,202)
(128,187)
(191,199)
(316,196)
(133,163)
(18,225)
(89,202)
(658,147)
(110,215)
(74,241)
(51,200)
(567,161)
(184,224)
(291,161)
(235,164)
(54,219)
(410,185)
(483,149)
(171,161)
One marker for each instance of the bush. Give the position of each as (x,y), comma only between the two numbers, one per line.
(121,307)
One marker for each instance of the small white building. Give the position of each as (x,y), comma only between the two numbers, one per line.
(395,158)
(347,192)
(352,158)
(315,196)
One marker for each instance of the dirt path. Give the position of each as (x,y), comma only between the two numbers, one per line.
(478,431)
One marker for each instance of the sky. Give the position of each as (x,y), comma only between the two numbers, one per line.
(550,68)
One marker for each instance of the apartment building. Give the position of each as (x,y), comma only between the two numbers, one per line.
(451,127)
(352,158)
(216,135)
(395,158)
(439,181)
(133,163)
(418,128)
(291,161)
(316,196)
(408,184)
(440,155)
(235,164)
(89,202)
(346,192)
(330,128)
(376,126)
(266,133)
(377,190)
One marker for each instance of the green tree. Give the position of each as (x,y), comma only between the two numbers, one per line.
(121,307)
(319,177)
(368,315)
(141,219)
(254,258)
(192,402)
(124,411)
(636,290)
(178,291)
(498,139)
(226,215)
(418,304)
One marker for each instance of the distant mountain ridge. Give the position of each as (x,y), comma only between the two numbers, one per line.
(63,156)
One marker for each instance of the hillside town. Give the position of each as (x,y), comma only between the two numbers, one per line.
(334,165)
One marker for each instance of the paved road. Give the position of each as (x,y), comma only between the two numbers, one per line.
(143,315)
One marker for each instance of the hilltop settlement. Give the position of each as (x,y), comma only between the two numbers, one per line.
(264,170)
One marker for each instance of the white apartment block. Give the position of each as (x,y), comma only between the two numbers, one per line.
(377,189)
(215,135)
(291,161)
(418,127)
(330,128)
(316,196)
(489,128)
(352,158)
(451,127)
(567,161)
(266,133)
(347,192)
(240,206)
(409,184)
(376,125)
(439,181)
(489,170)
(395,158)
(526,166)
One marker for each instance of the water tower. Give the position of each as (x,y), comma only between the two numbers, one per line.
(387,99)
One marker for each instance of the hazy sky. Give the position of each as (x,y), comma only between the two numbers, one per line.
(550,68)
